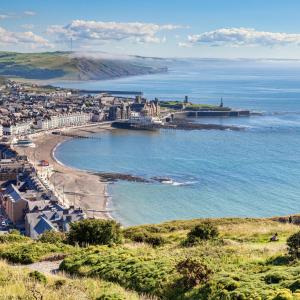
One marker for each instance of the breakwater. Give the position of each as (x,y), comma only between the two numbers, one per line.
(176,124)
(75,136)
(212,113)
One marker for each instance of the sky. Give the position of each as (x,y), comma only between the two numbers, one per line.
(160,28)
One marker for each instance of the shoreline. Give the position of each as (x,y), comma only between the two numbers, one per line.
(73,186)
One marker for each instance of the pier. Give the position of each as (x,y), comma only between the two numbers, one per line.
(212,113)
(133,93)
(75,136)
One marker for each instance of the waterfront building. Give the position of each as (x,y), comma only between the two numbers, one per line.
(64,120)
(36,223)
(146,108)
(17,128)
(13,204)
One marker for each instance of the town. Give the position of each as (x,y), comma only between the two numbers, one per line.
(28,201)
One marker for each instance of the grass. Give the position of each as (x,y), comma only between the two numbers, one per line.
(240,260)
(245,264)
(27,251)
(17,283)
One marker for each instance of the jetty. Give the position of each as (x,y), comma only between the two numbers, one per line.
(211,113)
(75,136)
(133,93)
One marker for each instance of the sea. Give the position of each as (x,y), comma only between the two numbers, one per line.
(211,173)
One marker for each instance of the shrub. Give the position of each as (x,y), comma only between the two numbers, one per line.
(27,253)
(94,232)
(59,283)
(131,268)
(294,286)
(11,238)
(279,260)
(111,297)
(274,277)
(52,237)
(38,276)
(230,284)
(238,296)
(284,295)
(193,272)
(293,243)
(204,231)
(155,241)
(143,236)
(15,232)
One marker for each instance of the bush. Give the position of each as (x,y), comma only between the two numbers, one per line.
(230,284)
(131,268)
(193,272)
(52,237)
(204,231)
(59,283)
(293,243)
(27,253)
(94,232)
(11,238)
(155,241)
(38,276)
(274,277)
(111,297)
(279,260)
(15,232)
(284,295)
(238,296)
(143,236)
(294,286)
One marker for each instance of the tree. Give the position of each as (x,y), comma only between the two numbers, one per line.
(95,232)
(293,243)
(204,231)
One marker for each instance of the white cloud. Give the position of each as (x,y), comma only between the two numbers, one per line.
(27,26)
(184,45)
(111,31)
(244,37)
(4,16)
(29,13)
(27,38)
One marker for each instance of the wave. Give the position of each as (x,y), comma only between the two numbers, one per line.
(176,183)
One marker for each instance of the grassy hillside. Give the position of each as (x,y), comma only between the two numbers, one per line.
(21,283)
(156,260)
(65,65)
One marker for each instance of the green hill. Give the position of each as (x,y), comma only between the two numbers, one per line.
(164,261)
(66,65)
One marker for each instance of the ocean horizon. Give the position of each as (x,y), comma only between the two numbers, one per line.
(211,173)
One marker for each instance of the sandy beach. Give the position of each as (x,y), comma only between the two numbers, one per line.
(75,187)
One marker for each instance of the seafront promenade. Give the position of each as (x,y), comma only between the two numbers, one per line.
(73,187)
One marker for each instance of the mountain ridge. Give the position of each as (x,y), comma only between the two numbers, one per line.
(67,66)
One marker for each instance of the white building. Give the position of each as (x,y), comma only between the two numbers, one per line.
(66,120)
(17,129)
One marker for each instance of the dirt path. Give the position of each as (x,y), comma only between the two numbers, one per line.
(45,267)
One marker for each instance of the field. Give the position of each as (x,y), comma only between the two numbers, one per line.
(241,263)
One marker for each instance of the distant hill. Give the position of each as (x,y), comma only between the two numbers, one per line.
(69,66)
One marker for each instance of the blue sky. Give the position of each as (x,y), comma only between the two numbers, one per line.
(177,28)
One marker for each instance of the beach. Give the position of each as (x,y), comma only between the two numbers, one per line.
(75,187)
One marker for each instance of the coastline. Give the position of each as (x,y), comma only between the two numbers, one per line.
(75,187)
